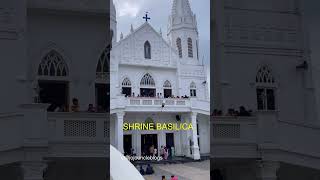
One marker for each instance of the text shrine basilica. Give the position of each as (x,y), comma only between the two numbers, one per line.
(160,81)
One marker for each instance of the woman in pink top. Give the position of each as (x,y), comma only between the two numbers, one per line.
(174,177)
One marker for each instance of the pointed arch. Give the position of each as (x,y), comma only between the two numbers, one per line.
(102,70)
(264,75)
(193,89)
(53,64)
(167,89)
(126,87)
(126,82)
(167,85)
(147,80)
(190,48)
(265,89)
(179,47)
(147,50)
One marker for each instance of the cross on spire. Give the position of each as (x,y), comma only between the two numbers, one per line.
(146,17)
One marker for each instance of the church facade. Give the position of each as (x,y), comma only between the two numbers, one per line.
(158,78)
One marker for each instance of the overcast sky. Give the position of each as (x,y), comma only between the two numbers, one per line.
(131,12)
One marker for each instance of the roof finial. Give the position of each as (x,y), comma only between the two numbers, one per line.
(160,32)
(131,30)
(121,36)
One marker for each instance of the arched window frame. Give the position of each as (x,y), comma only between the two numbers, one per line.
(147,50)
(193,89)
(147,81)
(53,65)
(190,48)
(126,87)
(126,82)
(167,85)
(265,89)
(102,69)
(179,47)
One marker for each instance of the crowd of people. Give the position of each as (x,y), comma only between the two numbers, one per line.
(232,112)
(74,107)
(159,95)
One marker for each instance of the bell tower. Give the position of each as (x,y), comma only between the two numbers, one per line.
(183,30)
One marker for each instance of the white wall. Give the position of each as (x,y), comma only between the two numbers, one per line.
(79,38)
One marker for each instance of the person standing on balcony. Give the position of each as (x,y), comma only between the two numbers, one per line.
(75,105)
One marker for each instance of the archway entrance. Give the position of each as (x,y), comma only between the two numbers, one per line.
(52,82)
(148,140)
(102,87)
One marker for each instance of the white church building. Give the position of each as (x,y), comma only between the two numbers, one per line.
(159,78)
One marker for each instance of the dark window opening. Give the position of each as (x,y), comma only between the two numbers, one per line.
(54,93)
(102,97)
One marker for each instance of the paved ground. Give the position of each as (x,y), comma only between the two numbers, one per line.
(186,171)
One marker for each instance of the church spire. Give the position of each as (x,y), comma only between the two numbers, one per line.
(181,16)
(181,8)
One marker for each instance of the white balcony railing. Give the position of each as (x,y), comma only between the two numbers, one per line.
(237,129)
(157,102)
(79,127)
(135,104)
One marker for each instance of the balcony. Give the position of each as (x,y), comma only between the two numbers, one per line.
(236,133)
(144,104)
(78,127)
(86,132)
(158,102)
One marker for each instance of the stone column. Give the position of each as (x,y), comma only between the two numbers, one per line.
(195,146)
(119,131)
(33,170)
(267,170)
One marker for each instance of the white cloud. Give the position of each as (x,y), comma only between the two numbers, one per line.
(128,7)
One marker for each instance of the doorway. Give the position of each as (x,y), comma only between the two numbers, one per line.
(126,91)
(127,144)
(167,93)
(147,92)
(102,97)
(147,140)
(170,142)
(55,93)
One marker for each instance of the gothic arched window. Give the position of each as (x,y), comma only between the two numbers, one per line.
(190,48)
(126,82)
(102,70)
(167,89)
(126,87)
(167,84)
(265,89)
(147,80)
(147,50)
(53,65)
(193,89)
(179,47)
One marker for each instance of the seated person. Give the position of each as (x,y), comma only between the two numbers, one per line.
(174,177)
(75,105)
(91,108)
(142,170)
(149,169)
